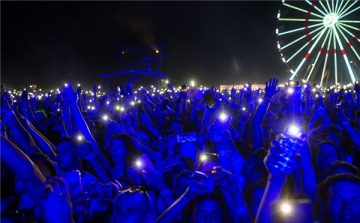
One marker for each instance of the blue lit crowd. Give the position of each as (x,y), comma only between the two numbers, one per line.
(284,153)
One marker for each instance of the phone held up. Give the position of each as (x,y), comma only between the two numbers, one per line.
(207,163)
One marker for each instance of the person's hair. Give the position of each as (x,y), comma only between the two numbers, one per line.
(338,164)
(45,160)
(323,188)
(173,121)
(332,129)
(144,198)
(315,150)
(216,195)
(133,152)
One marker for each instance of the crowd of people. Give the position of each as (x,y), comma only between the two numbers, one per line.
(197,155)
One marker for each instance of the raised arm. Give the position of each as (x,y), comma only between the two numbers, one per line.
(270,91)
(21,136)
(70,100)
(24,168)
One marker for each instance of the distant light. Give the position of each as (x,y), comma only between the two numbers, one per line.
(192,83)
(157,51)
(243,108)
(203,158)
(92,108)
(122,109)
(260,100)
(290,90)
(138,163)
(108,102)
(117,107)
(286,208)
(105,117)
(223,117)
(294,130)
(132,103)
(65,84)
(78,85)
(99,87)
(80,138)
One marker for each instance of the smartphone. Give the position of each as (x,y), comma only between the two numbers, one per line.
(295,94)
(58,113)
(207,162)
(144,162)
(72,180)
(174,161)
(186,137)
(223,121)
(183,87)
(339,102)
(292,142)
(289,212)
(294,83)
(209,98)
(129,88)
(357,85)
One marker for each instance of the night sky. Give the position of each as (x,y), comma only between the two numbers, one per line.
(213,43)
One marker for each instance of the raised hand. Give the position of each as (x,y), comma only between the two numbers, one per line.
(226,179)
(272,162)
(68,94)
(270,88)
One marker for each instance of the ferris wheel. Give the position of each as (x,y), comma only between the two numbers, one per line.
(320,40)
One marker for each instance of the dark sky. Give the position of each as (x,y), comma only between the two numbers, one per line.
(48,43)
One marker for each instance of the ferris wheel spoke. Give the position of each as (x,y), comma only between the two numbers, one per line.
(328,5)
(308,53)
(338,9)
(350,21)
(349,43)
(346,9)
(302,37)
(326,58)
(300,20)
(342,9)
(302,10)
(336,5)
(315,7)
(323,6)
(349,26)
(335,59)
(318,55)
(305,45)
(350,33)
(299,29)
(344,56)
(343,15)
